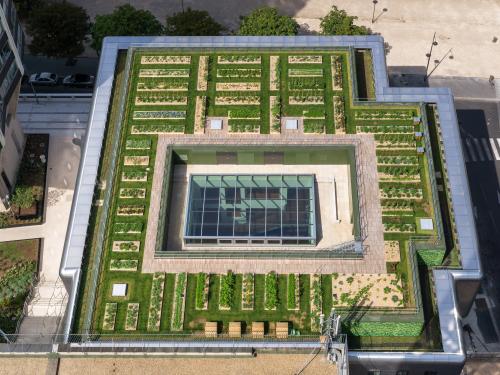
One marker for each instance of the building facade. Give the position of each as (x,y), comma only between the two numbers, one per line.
(11,71)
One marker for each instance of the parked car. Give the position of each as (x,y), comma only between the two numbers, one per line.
(79,80)
(45,79)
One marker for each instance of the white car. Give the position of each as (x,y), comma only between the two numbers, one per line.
(45,79)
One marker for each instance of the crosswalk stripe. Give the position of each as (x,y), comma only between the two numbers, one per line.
(479,150)
(471,150)
(494,148)
(486,149)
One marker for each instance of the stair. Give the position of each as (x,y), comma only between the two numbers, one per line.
(50,297)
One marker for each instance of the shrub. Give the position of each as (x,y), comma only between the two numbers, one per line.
(267,21)
(200,290)
(125,20)
(23,197)
(192,22)
(226,289)
(291,291)
(271,291)
(337,22)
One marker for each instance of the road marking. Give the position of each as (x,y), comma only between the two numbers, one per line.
(479,150)
(494,148)
(486,149)
(471,149)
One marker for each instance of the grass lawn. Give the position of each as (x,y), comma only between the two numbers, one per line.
(161,98)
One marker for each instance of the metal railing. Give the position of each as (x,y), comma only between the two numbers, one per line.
(49,96)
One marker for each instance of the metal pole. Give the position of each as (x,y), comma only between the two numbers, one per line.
(434,43)
(34,92)
(439,63)
(373,13)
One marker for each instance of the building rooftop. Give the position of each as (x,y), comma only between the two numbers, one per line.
(252,90)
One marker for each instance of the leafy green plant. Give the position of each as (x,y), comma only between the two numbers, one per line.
(271,297)
(192,22)
(58,29)
(201,296)
(23,197)
(247,291)
(16,281)
(125,20)
(338,22)
(291,291)
(267,21)
(178,316)
(226,292)
(128,227)
(138,144)
(156,301)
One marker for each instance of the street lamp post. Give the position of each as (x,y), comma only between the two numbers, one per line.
(434,43)
(373,13)
(438,62)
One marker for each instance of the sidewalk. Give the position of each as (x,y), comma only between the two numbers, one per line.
(62,168)
(63,161)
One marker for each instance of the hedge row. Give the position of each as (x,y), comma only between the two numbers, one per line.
(383,328)
(431,257)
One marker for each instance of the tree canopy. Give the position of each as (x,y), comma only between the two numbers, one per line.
(338,22)
(25,7)
(267,21)
(192,22)
(58,29)
(125,20)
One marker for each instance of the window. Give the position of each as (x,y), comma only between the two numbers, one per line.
(374,372)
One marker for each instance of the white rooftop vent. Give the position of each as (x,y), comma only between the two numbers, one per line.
(216,124)
(292,124)
(119,290)
(426,224)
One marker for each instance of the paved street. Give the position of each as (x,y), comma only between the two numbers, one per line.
(480,131)
(37,64)
(406,25)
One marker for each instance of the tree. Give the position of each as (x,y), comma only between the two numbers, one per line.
(23,197)
(58,29)
(125,20)
(338,22)
(192,22)
(267,21)
(25,7)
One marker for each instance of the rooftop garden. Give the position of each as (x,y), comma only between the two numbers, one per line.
(253,92)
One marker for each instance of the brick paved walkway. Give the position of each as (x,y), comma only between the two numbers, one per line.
(373,261)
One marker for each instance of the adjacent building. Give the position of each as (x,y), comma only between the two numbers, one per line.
(11,72)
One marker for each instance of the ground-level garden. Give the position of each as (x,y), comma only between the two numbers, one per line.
(18,269)
(27,202)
